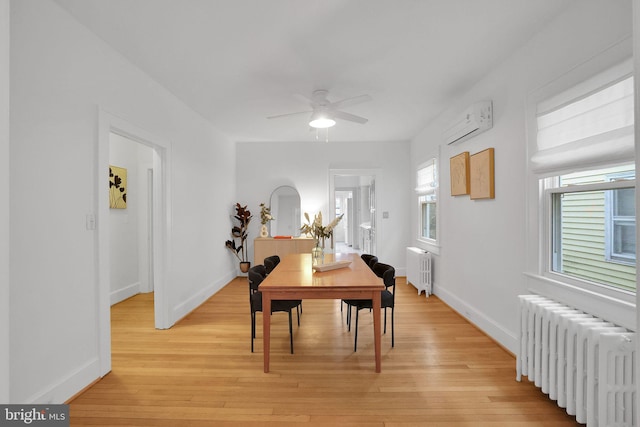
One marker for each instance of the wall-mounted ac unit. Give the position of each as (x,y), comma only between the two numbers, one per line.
(475,120)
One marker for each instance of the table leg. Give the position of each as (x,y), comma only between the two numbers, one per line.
(377,329)
(266,328)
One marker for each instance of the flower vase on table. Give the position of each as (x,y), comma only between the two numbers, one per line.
(317,255)
(319,232)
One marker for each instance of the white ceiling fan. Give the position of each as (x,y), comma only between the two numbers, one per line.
(323,113)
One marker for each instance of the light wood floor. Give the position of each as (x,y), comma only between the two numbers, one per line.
(442,371)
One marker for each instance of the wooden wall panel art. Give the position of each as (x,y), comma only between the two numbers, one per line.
(481,167)
(460,177)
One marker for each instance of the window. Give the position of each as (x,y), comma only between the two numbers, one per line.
(620,222)
(583,158)
(428,216)
(593,226)
(426,189)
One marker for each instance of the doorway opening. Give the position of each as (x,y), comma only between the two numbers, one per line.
(353,195)
(140,266)
(130,217)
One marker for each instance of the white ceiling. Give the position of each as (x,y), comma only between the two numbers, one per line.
(238,61)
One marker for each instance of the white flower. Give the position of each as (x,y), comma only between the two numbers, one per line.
(316,229)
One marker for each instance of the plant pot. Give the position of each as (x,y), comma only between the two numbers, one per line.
(244,266)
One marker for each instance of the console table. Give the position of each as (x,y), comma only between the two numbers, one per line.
(267,246)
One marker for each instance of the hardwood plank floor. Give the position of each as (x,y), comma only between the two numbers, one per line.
(442,372)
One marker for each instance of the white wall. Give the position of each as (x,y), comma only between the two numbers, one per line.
(4,195)
(262,167)
(61,76)
(480,267)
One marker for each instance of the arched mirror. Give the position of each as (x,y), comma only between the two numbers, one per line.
(285,209)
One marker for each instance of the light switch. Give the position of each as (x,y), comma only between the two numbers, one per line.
(385,215)
(90,221)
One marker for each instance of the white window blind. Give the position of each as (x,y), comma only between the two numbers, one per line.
(588,125)
(427,180)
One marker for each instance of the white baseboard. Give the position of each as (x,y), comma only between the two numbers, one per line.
(505,338)
(124,293)
(67,387)
(186,307)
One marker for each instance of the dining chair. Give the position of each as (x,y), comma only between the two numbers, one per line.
(256,275)
(387,300)
(367,259)
(370,260)
(271,262)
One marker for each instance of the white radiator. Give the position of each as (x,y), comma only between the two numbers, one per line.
(419,270)
(584,363)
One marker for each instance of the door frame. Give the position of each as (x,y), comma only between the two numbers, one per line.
(109,123)
(374,173)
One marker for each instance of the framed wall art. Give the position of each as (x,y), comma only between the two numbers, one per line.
(117,187)
(460,177)
(481,169)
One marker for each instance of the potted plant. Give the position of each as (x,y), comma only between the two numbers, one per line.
(239,232)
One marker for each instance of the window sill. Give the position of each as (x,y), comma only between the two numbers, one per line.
(428,245)
(619,309)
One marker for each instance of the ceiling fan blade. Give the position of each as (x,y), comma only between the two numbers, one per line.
(290,114)
(350,101)
(350,117)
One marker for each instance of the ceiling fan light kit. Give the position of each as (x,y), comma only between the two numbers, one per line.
(321,120)
(324,113)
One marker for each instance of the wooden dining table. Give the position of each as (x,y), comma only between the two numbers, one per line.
(295,278)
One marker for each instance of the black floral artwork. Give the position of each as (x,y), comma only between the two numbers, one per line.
(117,187)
